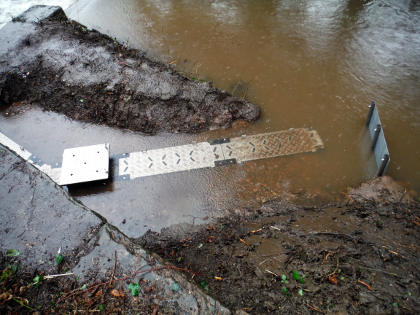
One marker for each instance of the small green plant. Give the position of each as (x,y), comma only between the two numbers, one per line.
(101,307)
(12,253)
(204,285)
(298,277)
(175,287)
(8,272)
(37,280)
(284,281)
(134,288)
(58,259)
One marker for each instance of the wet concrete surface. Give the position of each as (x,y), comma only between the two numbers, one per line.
(38,218)
(135,206)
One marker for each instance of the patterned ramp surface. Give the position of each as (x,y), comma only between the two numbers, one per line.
(218,152)
(195,156)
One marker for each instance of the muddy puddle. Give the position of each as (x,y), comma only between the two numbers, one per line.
(154,202)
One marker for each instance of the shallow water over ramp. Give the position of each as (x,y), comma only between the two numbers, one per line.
(174,159)
(156,202)
(217,153)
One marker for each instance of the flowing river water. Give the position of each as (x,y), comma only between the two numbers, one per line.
(307,63)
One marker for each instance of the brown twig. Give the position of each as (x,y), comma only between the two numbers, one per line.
(365,284)
(113,270)
(328,255)
(314,308)
(243,242)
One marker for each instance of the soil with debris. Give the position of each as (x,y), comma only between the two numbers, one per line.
(20,294)
(32,292)
(358,256)
(59,64)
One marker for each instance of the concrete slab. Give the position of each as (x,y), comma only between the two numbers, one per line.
(38,217)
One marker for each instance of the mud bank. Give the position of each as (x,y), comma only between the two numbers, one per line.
(59,64)
(359,256)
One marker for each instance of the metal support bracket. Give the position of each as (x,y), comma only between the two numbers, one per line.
(379,145)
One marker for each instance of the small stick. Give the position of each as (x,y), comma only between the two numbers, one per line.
(266,270)
(59,275)
(275,228)
(365,284)
(244,242)
(328,255)
(115,267)
(314,308)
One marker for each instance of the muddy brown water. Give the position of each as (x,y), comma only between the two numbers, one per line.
(306,63)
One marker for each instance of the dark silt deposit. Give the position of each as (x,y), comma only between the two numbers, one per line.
(88,76)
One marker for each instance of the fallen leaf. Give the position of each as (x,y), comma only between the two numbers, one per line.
(117,293)
(99,293)
(333,279)
(218,278)
(210,239)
